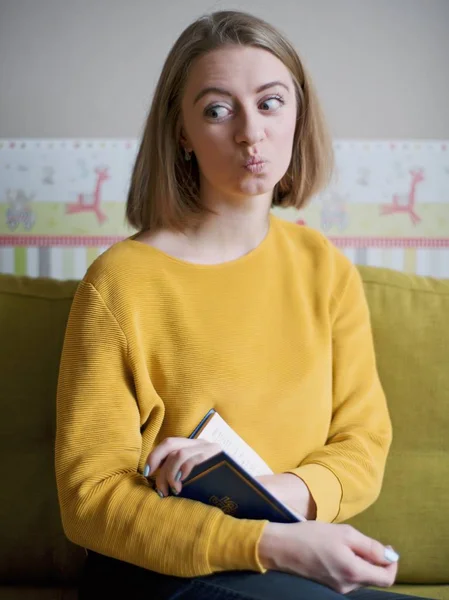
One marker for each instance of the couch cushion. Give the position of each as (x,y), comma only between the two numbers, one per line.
(33,316)
(436,592)
(410,319)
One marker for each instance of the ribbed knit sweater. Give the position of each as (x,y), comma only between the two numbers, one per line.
(277,341)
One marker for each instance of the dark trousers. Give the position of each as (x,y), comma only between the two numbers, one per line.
(106,577)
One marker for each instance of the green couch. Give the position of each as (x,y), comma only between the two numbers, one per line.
(410,317)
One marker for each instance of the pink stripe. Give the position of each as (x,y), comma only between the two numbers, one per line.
(99,241)
(384,242)
(55,240)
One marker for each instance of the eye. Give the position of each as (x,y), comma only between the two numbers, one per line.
(272,104)
(216,112)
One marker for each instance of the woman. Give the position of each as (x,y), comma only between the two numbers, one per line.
(215,303)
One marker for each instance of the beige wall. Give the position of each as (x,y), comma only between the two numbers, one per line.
(87,68)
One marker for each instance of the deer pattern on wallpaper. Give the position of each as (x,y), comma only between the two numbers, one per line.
(91,202)
(406,203)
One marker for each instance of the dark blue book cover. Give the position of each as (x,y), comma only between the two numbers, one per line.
(220,481)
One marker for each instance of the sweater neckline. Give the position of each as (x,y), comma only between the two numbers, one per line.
(249,256)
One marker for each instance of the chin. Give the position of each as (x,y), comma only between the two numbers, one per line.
(255,188)
(263,183)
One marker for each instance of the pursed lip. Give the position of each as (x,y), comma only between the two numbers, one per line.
(254,160)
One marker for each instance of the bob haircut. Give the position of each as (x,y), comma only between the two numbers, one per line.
(164,187)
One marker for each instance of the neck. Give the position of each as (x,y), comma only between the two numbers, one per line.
(233,229)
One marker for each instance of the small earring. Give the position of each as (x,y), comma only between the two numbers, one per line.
(187,154)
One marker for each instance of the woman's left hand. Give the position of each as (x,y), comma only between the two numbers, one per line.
(174,458)
(292,491)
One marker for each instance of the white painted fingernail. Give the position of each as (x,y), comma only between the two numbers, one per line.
(391,555)
(178,476)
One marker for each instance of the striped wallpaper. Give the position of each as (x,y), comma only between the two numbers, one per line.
(69,263)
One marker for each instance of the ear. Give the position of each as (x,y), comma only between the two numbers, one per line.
(186,146)
(184,140)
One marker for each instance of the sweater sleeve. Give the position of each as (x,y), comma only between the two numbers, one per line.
(345,476)
(106,504)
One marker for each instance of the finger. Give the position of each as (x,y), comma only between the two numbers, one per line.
(158,455)
(180,463)
(370,549)
(161,487)
(188,465)
(168,475)
(369,574)
(171,471)
(391,555)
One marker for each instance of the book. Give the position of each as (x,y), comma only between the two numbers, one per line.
(228,479)
(213,428)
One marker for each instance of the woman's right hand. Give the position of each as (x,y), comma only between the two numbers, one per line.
(338,556)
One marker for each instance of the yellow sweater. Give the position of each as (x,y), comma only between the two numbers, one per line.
(278,342)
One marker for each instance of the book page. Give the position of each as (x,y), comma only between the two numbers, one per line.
(218,431)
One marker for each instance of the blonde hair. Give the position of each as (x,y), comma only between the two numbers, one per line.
(164,188)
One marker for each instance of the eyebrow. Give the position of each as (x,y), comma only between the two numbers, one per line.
(224,92)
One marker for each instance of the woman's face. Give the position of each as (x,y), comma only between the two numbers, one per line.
(239,105)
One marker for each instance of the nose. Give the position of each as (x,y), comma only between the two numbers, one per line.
(250,129)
